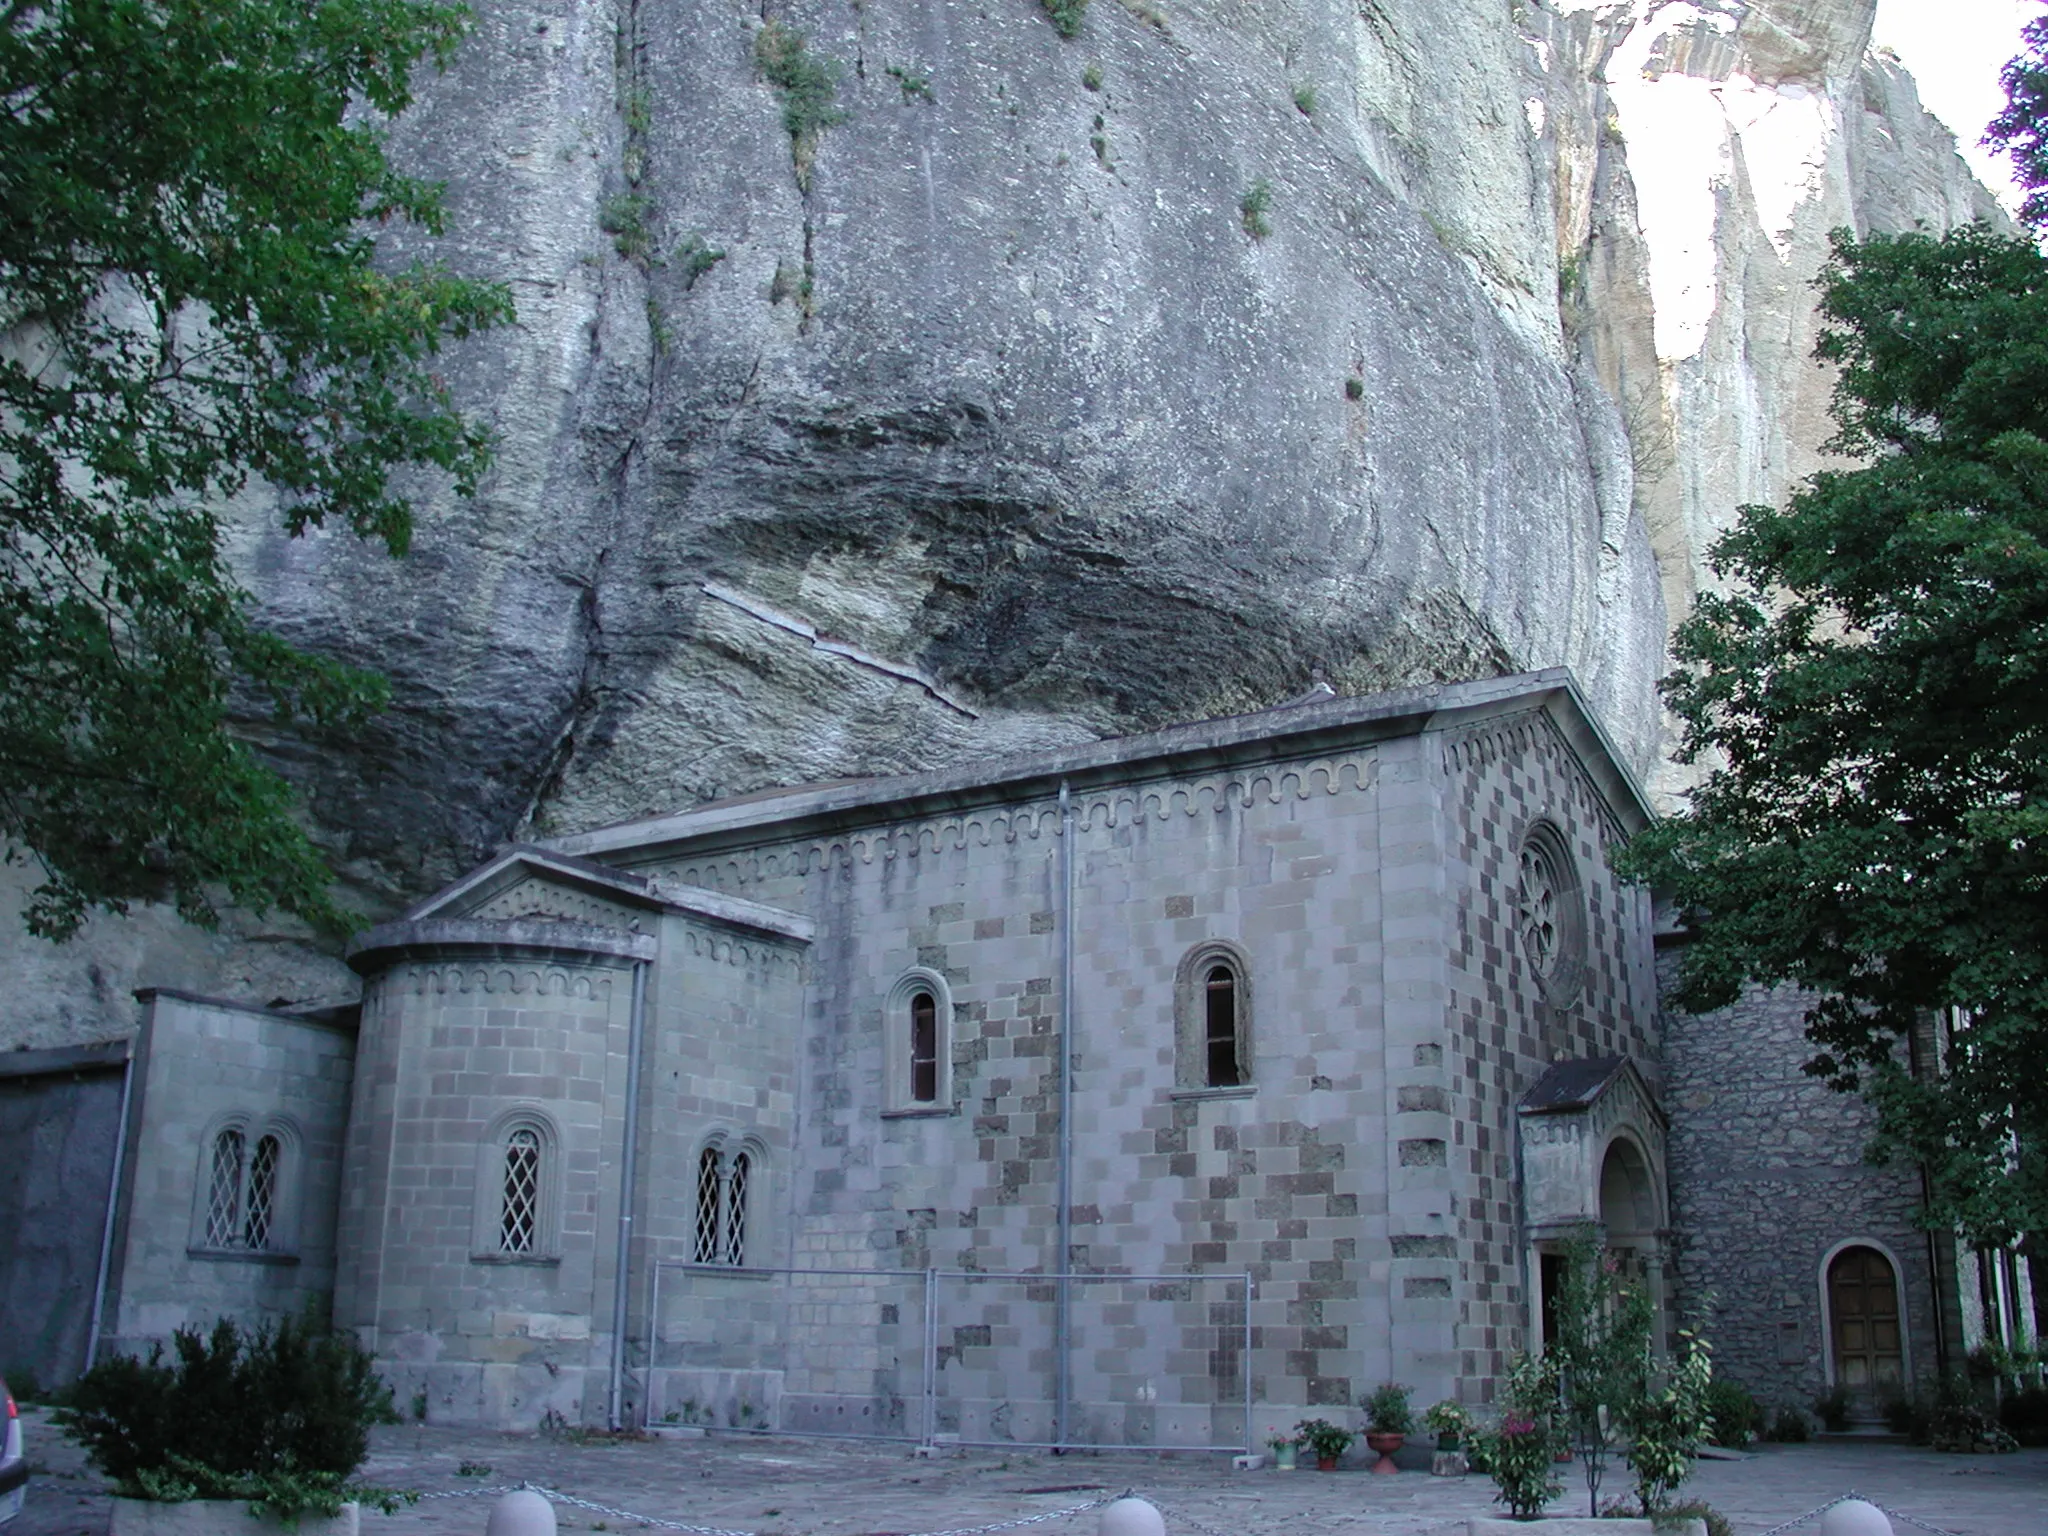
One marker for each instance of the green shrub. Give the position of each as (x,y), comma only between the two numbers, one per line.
(1733,1413)
(280,1417)
(1091,78)
(808,86)
(1674,1516)
(1386,1409)
(694,257)
(624,218)
(1325,1440)
(1256,203)
(1789,1427)
(1066,15)
(1968,1429)
(1832,1409)
(1305,100)
(2024,1414)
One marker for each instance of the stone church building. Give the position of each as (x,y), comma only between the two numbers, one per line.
(1163,1090)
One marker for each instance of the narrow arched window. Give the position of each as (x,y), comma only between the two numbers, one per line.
(735,1248)
(924,1048)
(519,1223)
(917,1029)
(260,1197)
(1220,1016)
(708,1182)
(1212,1019)
(224,1191)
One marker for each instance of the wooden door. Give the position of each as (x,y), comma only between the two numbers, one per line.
(1863,1299)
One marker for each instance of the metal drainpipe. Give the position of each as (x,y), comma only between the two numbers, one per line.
(1064,1225)
(635,1033)
(99,1285)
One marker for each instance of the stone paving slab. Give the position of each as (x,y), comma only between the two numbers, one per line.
(790,1487)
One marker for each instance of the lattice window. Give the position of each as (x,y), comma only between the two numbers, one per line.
(519,1228)
(224,1191)
(736,1210)
(708,1186)
(260,1215)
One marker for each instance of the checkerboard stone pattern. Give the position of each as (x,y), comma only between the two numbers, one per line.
(1365,1179)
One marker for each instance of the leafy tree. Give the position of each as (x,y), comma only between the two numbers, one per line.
(1871,694)
(2021,130)
(190,309)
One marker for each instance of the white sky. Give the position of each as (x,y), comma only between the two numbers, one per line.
(1955,49)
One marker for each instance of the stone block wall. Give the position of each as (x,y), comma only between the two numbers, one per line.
(59,1121)
(450,1048)
(1365,1177)
(1498,1028)
(200,1066)
(1768,1179)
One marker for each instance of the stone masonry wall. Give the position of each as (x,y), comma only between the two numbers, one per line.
(60,1116)
(448,1048)
(1365,1183)
(197,1062)
(1768,1179)
(1496,1028)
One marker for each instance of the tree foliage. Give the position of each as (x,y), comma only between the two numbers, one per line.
(2021,130)
(1870,691)
(190,310)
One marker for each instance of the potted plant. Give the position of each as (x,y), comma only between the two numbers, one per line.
(1387,1423)
(1326,1440)
(276,1421)
(1450,1423)
(1284,1450)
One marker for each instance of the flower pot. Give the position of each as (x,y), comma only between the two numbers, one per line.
(1385,1444)
(1283,1458)
(1326,1463)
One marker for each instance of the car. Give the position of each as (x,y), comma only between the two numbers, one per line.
(13,1460)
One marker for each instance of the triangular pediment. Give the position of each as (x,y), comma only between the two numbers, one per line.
(528,883)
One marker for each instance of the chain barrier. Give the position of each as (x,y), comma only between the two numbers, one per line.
(1844,1498)
(557,1496)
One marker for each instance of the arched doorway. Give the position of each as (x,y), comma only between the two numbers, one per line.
(1866,1343)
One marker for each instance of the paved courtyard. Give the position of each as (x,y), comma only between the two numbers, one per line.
(794,1487)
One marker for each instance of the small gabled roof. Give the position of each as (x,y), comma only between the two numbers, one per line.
(1570,1086)
(524,861)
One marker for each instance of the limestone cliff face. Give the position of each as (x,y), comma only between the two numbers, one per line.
(1057,388)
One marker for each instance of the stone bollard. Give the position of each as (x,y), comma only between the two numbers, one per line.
(1854,1517)
(1131,1517)
(521,1513)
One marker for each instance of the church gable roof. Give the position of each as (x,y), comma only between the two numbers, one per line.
(1315,724)
(1570,1086)
(527,882)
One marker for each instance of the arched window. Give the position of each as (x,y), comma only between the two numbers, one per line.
(708,1186)
(519,1221)
(224,1197)
(1220,1014)
(736,1209)
(518,1199)
(260,1199)
(723,1180)
(924,1047)
(245,1199)
(1212,1019)
(917,1023)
